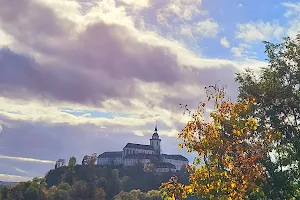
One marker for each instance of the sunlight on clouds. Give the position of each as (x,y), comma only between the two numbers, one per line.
(138,133)
(5,39)
(21,159)
(13,178)
(138,3)
(36,112)
(150,104)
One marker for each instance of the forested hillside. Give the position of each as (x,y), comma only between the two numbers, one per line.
(88,182)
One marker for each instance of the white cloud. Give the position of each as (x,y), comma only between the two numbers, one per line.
(139,3)
(240,5)
(240,50)
(21,159)
(293,16)
(14,178)
(20,170)
(237,51)
(178,10)
(259,31)
(138,133)
(152,101)
(5,39)
(1,128)
(224,42)
(293,9)
(207,28)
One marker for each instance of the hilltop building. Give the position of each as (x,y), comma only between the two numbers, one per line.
(139,154)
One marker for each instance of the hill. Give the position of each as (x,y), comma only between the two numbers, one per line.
(88,182)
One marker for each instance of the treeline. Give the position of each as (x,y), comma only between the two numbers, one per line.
(92,182)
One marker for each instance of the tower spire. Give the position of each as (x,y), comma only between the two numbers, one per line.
(155,128)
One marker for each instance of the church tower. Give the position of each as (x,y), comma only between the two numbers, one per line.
(155,141)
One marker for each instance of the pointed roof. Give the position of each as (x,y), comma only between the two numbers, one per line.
(155,134)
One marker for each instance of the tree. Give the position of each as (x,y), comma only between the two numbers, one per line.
(80,190)
(89,160)
(64,186)
(4,193)
(99,194)
(58,194)
(72,162)
(132,195)
(154,195)
(277,92)
(32,193)
(149,167)
(229,151)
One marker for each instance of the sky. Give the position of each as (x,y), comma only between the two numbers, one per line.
(86,76)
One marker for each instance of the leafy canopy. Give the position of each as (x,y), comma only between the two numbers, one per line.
(229,150)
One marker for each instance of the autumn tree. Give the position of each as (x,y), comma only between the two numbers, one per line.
(277,91)
(99,194)
(58,194)
(89,160)
(229,150)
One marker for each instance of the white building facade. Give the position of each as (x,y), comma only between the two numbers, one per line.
(139,154)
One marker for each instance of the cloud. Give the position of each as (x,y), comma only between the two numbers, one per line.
(208,28)
(70,63)
(20,170)
(14,178)
(140,4)
(293,17)
(224,42)
(21,159)
(240,50)
(179,10)
(1,128)
(259,31)
(293,9)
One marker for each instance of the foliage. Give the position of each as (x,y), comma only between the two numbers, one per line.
(72,162)
(277,92)
(89,160)
(229,151)
(90,182)
(138,195)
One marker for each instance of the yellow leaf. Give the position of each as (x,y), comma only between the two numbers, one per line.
(233,185)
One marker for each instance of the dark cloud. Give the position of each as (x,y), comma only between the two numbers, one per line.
(98,63)
(21,76)
(101,62)
(33,24)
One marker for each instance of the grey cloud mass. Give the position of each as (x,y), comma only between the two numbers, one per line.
(101,62)
(64,61)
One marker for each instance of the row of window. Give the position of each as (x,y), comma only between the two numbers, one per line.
(132,151)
